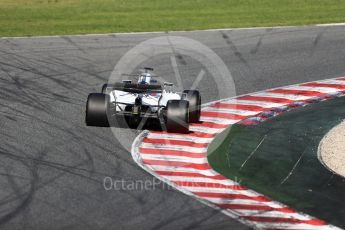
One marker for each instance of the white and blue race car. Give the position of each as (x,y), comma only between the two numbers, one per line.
(144,99)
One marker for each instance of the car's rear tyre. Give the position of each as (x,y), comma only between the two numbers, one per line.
(177,116)
(194,99)
(107,88)
(97,106)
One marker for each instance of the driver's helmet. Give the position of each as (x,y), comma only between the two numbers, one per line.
(144,79)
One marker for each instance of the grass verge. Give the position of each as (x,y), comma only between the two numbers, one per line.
(58,17)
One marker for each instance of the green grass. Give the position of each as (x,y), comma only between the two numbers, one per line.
(52,17)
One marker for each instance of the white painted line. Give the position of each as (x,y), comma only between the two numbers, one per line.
(332,24)
(177,31)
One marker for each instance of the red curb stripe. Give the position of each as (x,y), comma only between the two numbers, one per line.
(222,115)
(256,207)
(296,92)
(203,166)
(144,150)
(209,125)
(266,99)
(232,196)
(209,185)
(315,84)
(254,108)
(188,174)
(194,134)
(174,142)
(313,222)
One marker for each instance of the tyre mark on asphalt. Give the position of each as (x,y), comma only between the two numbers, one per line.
(317,40)
(234,48)
(258,44)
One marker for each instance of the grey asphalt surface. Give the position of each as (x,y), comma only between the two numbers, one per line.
(52,166)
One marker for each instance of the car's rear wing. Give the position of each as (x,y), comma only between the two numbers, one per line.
(137,88)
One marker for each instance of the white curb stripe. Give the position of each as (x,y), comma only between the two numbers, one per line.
(232,111)
(279,215)
(310,88)
(332,81)
(285,96)
(219,190)
(206,172)
(219,120)
(175,147)
(174,158)
(242,201)
(257,103)
(204,129)
(198,179)
(180,138)
(287,226)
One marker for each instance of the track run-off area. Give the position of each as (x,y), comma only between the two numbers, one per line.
(181,159)
(281,159)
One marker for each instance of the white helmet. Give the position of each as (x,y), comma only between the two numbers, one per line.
(144,79)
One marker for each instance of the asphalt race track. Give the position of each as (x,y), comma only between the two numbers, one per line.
(53,166)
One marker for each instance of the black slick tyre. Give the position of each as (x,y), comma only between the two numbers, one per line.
(194,99)
(97,106)
(177,116)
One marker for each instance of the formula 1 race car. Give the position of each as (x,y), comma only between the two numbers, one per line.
(144,99)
